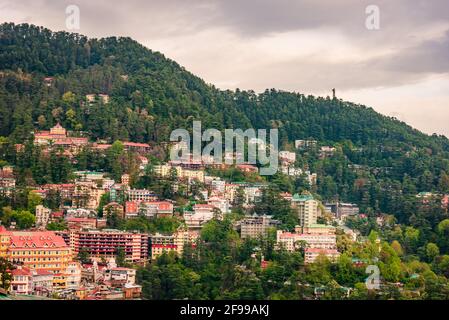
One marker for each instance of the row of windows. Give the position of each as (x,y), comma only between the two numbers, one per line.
(26,253)
(39,259)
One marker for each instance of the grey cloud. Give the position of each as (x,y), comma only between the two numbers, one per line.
(266,16)
(431,56)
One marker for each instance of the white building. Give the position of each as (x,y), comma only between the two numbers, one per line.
(42,216)
(291,241)
(122,275)
(220,204)
(287,156)
(140,195)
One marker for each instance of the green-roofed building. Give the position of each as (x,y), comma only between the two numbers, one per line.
(307,209)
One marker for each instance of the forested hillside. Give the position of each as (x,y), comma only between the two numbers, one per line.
(151,95)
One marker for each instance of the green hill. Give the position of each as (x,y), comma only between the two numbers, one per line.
(150,95)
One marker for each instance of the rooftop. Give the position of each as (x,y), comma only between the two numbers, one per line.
(302,197)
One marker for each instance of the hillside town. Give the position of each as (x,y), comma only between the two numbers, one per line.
(76,251)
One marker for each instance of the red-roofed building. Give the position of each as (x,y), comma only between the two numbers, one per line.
(57,215)
(203,209)
(57,136)
(150,209)
(104,243)
(37,250)
(131,209)
(81,223)
(137,147)
(101,146)
(42,282)
(22,281)
(310,254)
(154,209)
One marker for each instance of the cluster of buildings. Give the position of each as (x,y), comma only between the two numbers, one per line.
(287,161)
(315,239)
(58,136)
(44,265)
(45,261)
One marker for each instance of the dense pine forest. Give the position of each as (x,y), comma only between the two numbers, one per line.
(381,163)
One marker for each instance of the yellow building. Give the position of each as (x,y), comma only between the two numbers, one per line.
(59,281)
(164,171)
(4,241)
(175,242)
(35,250)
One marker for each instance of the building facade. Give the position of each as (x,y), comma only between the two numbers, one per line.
(42,250)
(254,226)
(307,209)
(104,243)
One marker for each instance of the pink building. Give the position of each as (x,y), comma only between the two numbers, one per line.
(310,254)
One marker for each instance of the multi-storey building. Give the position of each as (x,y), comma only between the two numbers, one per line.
(87,194)
(310,254)
(156,208)
(307,209)
(57,136)
(291,241)
(104,243)
(219,203)
(73,275)
(36,250)
(26,281)
(162,243)
(137,147)
(42,216)
(171,243)
(22,281)
(114,208)
(317,229)
(81,223)
(299,144)
(140,195)
(65,191)
(91,98)
(150,209)
(5,241)
(252,191)
(342,210)
(125,179)
(254,226)
(7,180)
(7,185)
(181,173)
(42,282)
(89,176)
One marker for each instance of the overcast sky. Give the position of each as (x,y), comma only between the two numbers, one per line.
(307,46)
